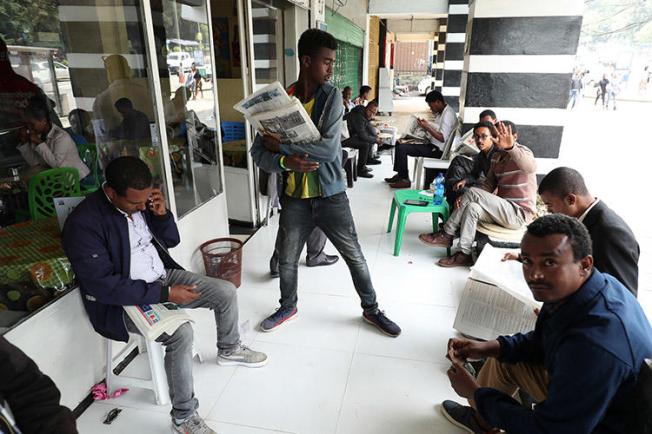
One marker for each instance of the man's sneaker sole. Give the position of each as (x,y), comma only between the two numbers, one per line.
(226,362)
(379,328)
(277,326)
(453,421)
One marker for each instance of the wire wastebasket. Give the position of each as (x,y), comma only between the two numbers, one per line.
(223,259)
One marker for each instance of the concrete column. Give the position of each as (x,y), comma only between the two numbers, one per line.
(518,62)
(456,32)
(441,50)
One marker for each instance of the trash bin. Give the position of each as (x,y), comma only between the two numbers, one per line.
(223,259)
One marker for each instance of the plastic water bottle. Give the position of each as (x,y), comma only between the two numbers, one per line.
(438,196)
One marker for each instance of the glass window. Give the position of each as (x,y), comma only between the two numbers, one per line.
(73,79)
(187,83)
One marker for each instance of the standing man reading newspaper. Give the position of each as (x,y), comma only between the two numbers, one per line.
(314,187)
(117,241)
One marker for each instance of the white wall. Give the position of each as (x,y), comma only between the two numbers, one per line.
(428,7)
(205,223)
(412,26)
(354,10)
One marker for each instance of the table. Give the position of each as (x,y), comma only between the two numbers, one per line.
(437,211)
(31,251)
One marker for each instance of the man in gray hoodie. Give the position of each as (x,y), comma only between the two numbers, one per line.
(314,189)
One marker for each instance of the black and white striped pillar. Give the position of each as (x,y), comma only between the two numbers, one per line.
(519,63)
(458,11)
(441,50)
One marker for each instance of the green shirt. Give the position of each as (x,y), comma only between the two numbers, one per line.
(303,185)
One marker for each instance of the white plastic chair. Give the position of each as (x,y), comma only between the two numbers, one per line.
(436,163)
(155,354)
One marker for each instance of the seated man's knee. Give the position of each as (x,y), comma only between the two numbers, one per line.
(474,210)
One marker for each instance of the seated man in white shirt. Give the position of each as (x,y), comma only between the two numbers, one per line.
(48,145)
(433,147)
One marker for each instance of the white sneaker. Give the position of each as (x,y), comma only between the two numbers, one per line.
(242,356)
(193,425)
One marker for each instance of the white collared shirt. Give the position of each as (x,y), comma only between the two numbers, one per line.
(146,264)
(585,213)
(445,124)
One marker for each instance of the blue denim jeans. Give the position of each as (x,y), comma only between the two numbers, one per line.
(215,294)
(333,216)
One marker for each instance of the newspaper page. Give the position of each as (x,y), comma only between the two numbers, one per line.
(486,312)
(414,130)
(291,123)
(152,320)
(269,98)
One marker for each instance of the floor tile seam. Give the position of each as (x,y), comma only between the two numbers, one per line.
(272,430)
(404,359)
(346,388)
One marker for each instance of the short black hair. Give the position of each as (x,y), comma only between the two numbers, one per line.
(124,103)
(554,224)
(563,181)
(488,112)
(435,95)
(364,89)
(313,40)
(37,108)
(510,124)
(127,172)
(347,88)
(484,124)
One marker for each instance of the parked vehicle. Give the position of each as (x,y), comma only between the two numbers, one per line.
(179,60)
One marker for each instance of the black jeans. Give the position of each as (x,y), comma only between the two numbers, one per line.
(403,150)
(333,215)
(364,151)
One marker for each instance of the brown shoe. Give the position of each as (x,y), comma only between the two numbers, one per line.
(459,259)
(401,183)
(392,179)
(438,239)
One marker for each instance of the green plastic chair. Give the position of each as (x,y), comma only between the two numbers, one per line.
(437,211)
(88,154)
(43,187)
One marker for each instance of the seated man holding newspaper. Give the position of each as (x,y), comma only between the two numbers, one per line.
(424,139)
(507,196)
(581,364)
(117,241)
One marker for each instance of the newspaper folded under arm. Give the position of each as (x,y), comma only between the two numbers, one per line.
(271,110)
(496,299)
(152,320)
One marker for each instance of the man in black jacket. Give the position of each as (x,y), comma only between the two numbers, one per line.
(615,250)
(29,400)
(363,135)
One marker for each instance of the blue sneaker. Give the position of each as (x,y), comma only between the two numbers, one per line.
(382,323)
(279,317)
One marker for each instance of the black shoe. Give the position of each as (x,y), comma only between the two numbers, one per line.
(461,416)
(273,267)
(323,260)
(365,174)
(373,161)
(382,323)
(392,179)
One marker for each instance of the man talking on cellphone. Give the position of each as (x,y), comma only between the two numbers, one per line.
(117,241)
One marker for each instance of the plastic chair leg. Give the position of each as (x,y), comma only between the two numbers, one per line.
(400,227)
(157,370)
(392,211)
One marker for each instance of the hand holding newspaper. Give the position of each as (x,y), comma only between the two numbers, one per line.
(272,110)
(152,320)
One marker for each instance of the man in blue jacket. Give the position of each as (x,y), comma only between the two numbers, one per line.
(582,361)
(314,189)
(117,241)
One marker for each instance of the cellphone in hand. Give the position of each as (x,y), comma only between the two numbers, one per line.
(416,202)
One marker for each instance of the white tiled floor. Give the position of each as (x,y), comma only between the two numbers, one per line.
(329,372)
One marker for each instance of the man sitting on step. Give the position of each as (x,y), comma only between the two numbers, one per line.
(507,197)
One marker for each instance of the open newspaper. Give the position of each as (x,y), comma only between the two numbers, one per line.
(415,131)
(272,110)
(496,299)
(152,320)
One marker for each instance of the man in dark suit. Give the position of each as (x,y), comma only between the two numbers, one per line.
(615,250)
